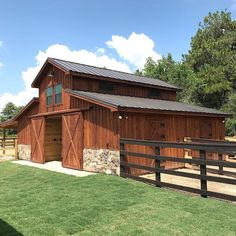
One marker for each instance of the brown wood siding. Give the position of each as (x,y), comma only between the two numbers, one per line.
(100,126)
(103,128)
(24,130)
(59,78)
(79,103)
(166,128)
(92,85)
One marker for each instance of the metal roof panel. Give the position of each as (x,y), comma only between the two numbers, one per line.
(103,72)
(146,103)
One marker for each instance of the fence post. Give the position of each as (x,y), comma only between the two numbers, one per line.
(203,171)
(122,158)
(158,165)
(220,157)
(16,149)
(4,140)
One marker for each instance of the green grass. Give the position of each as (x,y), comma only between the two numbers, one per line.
(40,202)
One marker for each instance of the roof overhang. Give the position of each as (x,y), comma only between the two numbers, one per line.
(54,114)
(32,102)
(13,122)
(9,124)
(49,61)
(180,113)
(94,101)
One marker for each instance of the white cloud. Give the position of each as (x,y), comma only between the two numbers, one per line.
(101,51)
(1,64)
(135,49)
(233,5)
(82,56)
(61,52)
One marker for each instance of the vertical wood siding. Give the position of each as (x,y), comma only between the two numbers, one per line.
(175,128)
(59,78)
(92,85)
(24,125)
(103,128)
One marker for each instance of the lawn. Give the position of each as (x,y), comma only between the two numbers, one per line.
(40,202)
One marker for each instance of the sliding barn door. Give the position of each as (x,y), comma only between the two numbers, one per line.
(72,140)
(37,145)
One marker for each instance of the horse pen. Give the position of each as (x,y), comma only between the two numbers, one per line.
(8,147)
(209,166)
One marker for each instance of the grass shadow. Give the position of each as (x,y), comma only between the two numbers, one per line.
(8,230)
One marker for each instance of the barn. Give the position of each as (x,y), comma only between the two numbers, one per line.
(82,112)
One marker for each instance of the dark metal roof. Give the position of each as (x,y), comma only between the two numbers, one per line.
(144,103)
(113,74)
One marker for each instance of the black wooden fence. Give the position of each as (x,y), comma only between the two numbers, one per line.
(203,148)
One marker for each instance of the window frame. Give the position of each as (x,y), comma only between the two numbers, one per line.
(152,91)
(55,94)
(105,86)
(51,96)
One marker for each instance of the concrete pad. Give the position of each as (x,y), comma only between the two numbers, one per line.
(6,158)
(55,166)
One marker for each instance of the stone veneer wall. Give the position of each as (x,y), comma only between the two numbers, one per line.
(24,152)
(102,160)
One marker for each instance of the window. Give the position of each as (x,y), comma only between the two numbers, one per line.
(106,86)
(58,93)
(154,93)
(49,96)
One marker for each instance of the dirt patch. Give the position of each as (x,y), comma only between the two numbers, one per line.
(232,139)
(8,152)
(195,183)
(6,158)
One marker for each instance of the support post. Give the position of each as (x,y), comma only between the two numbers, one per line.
(157,165)
(203,171)
(220,157)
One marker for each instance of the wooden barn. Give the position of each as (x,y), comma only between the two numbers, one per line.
(82,112)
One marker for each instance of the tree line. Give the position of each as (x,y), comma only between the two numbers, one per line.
(9,111)
(207,73)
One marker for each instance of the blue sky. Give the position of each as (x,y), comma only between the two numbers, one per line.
(116,34)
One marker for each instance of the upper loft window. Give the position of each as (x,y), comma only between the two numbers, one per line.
(58,93)
(105,86)
(49,96)
(154,93)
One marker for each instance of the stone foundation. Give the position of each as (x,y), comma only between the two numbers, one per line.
(24,152)
(101,160)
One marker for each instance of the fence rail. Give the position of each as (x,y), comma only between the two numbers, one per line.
(203,148)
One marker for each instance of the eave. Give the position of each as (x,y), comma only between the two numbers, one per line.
(94,101)
(35,83)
